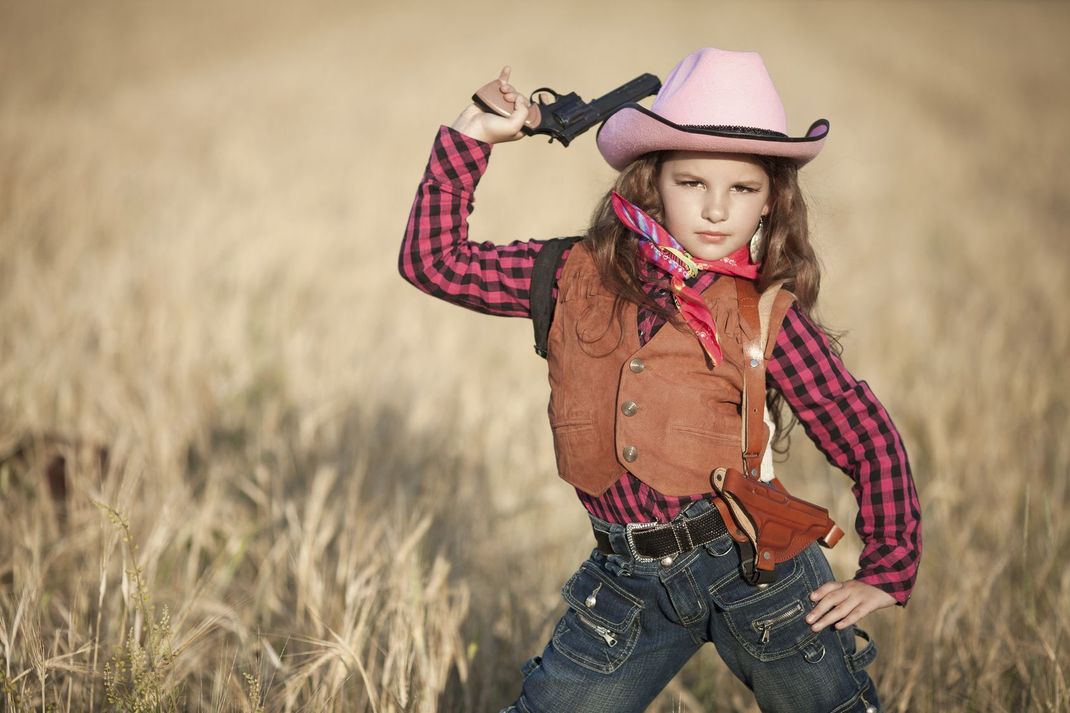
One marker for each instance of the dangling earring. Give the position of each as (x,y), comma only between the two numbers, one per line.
(756,241)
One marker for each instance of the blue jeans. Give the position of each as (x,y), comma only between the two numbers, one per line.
(632,625)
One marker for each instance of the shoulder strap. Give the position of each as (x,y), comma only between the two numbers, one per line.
(542,284)
(766,309)
(753,406)
(757,310)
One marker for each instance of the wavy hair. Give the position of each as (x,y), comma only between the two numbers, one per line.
(789,256)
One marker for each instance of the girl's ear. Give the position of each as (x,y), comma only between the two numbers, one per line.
(768,207)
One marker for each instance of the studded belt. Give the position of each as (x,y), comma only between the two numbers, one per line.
(652,541)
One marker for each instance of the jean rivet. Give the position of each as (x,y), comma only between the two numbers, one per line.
(666,561)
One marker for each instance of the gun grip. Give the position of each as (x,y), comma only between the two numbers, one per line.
(489,98)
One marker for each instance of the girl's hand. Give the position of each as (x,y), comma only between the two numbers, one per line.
(844,603)
(491,128)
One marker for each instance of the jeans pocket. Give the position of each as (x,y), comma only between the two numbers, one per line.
(767,622)
(601,627)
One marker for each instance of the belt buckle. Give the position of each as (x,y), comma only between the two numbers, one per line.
(629,534)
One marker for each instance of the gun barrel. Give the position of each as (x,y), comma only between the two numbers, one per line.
(639,88)
(570,116)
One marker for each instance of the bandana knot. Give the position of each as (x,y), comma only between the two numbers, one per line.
(665,253)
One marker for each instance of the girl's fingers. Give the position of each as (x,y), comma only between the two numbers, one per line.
(832,616)
(835,601)
(826,588)
(857,613)
(844,603)
(510,93)
(837,613)
(490,127)
(520,113)
(831,598)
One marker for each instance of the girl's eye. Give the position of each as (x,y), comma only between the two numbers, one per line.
(690,183)
(745,189)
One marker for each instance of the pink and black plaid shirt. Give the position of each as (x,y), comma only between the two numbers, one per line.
(839,413)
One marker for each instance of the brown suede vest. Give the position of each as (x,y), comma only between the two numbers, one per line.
(657,410)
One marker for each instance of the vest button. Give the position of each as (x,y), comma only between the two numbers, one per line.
(628,408)
(636,365)
(630,453)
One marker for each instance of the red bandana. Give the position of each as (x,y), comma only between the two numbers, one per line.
(662,250)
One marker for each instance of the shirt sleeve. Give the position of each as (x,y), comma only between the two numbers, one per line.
(436,255)
(850,426)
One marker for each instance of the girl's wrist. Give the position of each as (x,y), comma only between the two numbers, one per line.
(472,132)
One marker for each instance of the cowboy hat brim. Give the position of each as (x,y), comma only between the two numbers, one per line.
(634,130)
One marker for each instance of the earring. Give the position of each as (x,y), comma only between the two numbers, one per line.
(756,241)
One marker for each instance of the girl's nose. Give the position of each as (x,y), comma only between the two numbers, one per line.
(713,209)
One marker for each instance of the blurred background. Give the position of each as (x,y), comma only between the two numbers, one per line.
(244,466)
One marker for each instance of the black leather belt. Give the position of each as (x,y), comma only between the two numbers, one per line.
(652,541)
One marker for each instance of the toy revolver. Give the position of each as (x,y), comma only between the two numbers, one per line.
(567,116)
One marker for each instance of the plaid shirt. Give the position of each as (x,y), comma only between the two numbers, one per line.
(839,413)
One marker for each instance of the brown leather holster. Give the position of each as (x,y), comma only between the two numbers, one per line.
(769,524)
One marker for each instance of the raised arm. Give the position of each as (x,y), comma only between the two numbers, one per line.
(850,426)
(436,255)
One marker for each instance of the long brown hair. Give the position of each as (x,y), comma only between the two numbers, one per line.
(789,256)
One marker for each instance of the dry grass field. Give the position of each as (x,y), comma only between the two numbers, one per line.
(293,483)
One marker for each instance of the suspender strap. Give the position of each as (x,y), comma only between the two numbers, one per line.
(542,283)
(753,407)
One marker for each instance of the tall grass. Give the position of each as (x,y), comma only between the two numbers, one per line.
(292,483)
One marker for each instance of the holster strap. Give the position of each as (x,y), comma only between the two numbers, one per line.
(753,406)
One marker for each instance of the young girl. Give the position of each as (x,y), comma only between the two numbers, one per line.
(647,350)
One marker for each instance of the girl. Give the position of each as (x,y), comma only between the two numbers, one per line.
(646,364)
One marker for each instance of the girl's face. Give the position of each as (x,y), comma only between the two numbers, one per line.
(712,201)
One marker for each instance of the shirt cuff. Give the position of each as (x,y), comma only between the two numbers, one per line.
(899,590)
(457,161)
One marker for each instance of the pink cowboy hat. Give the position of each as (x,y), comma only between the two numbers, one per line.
(713,100)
